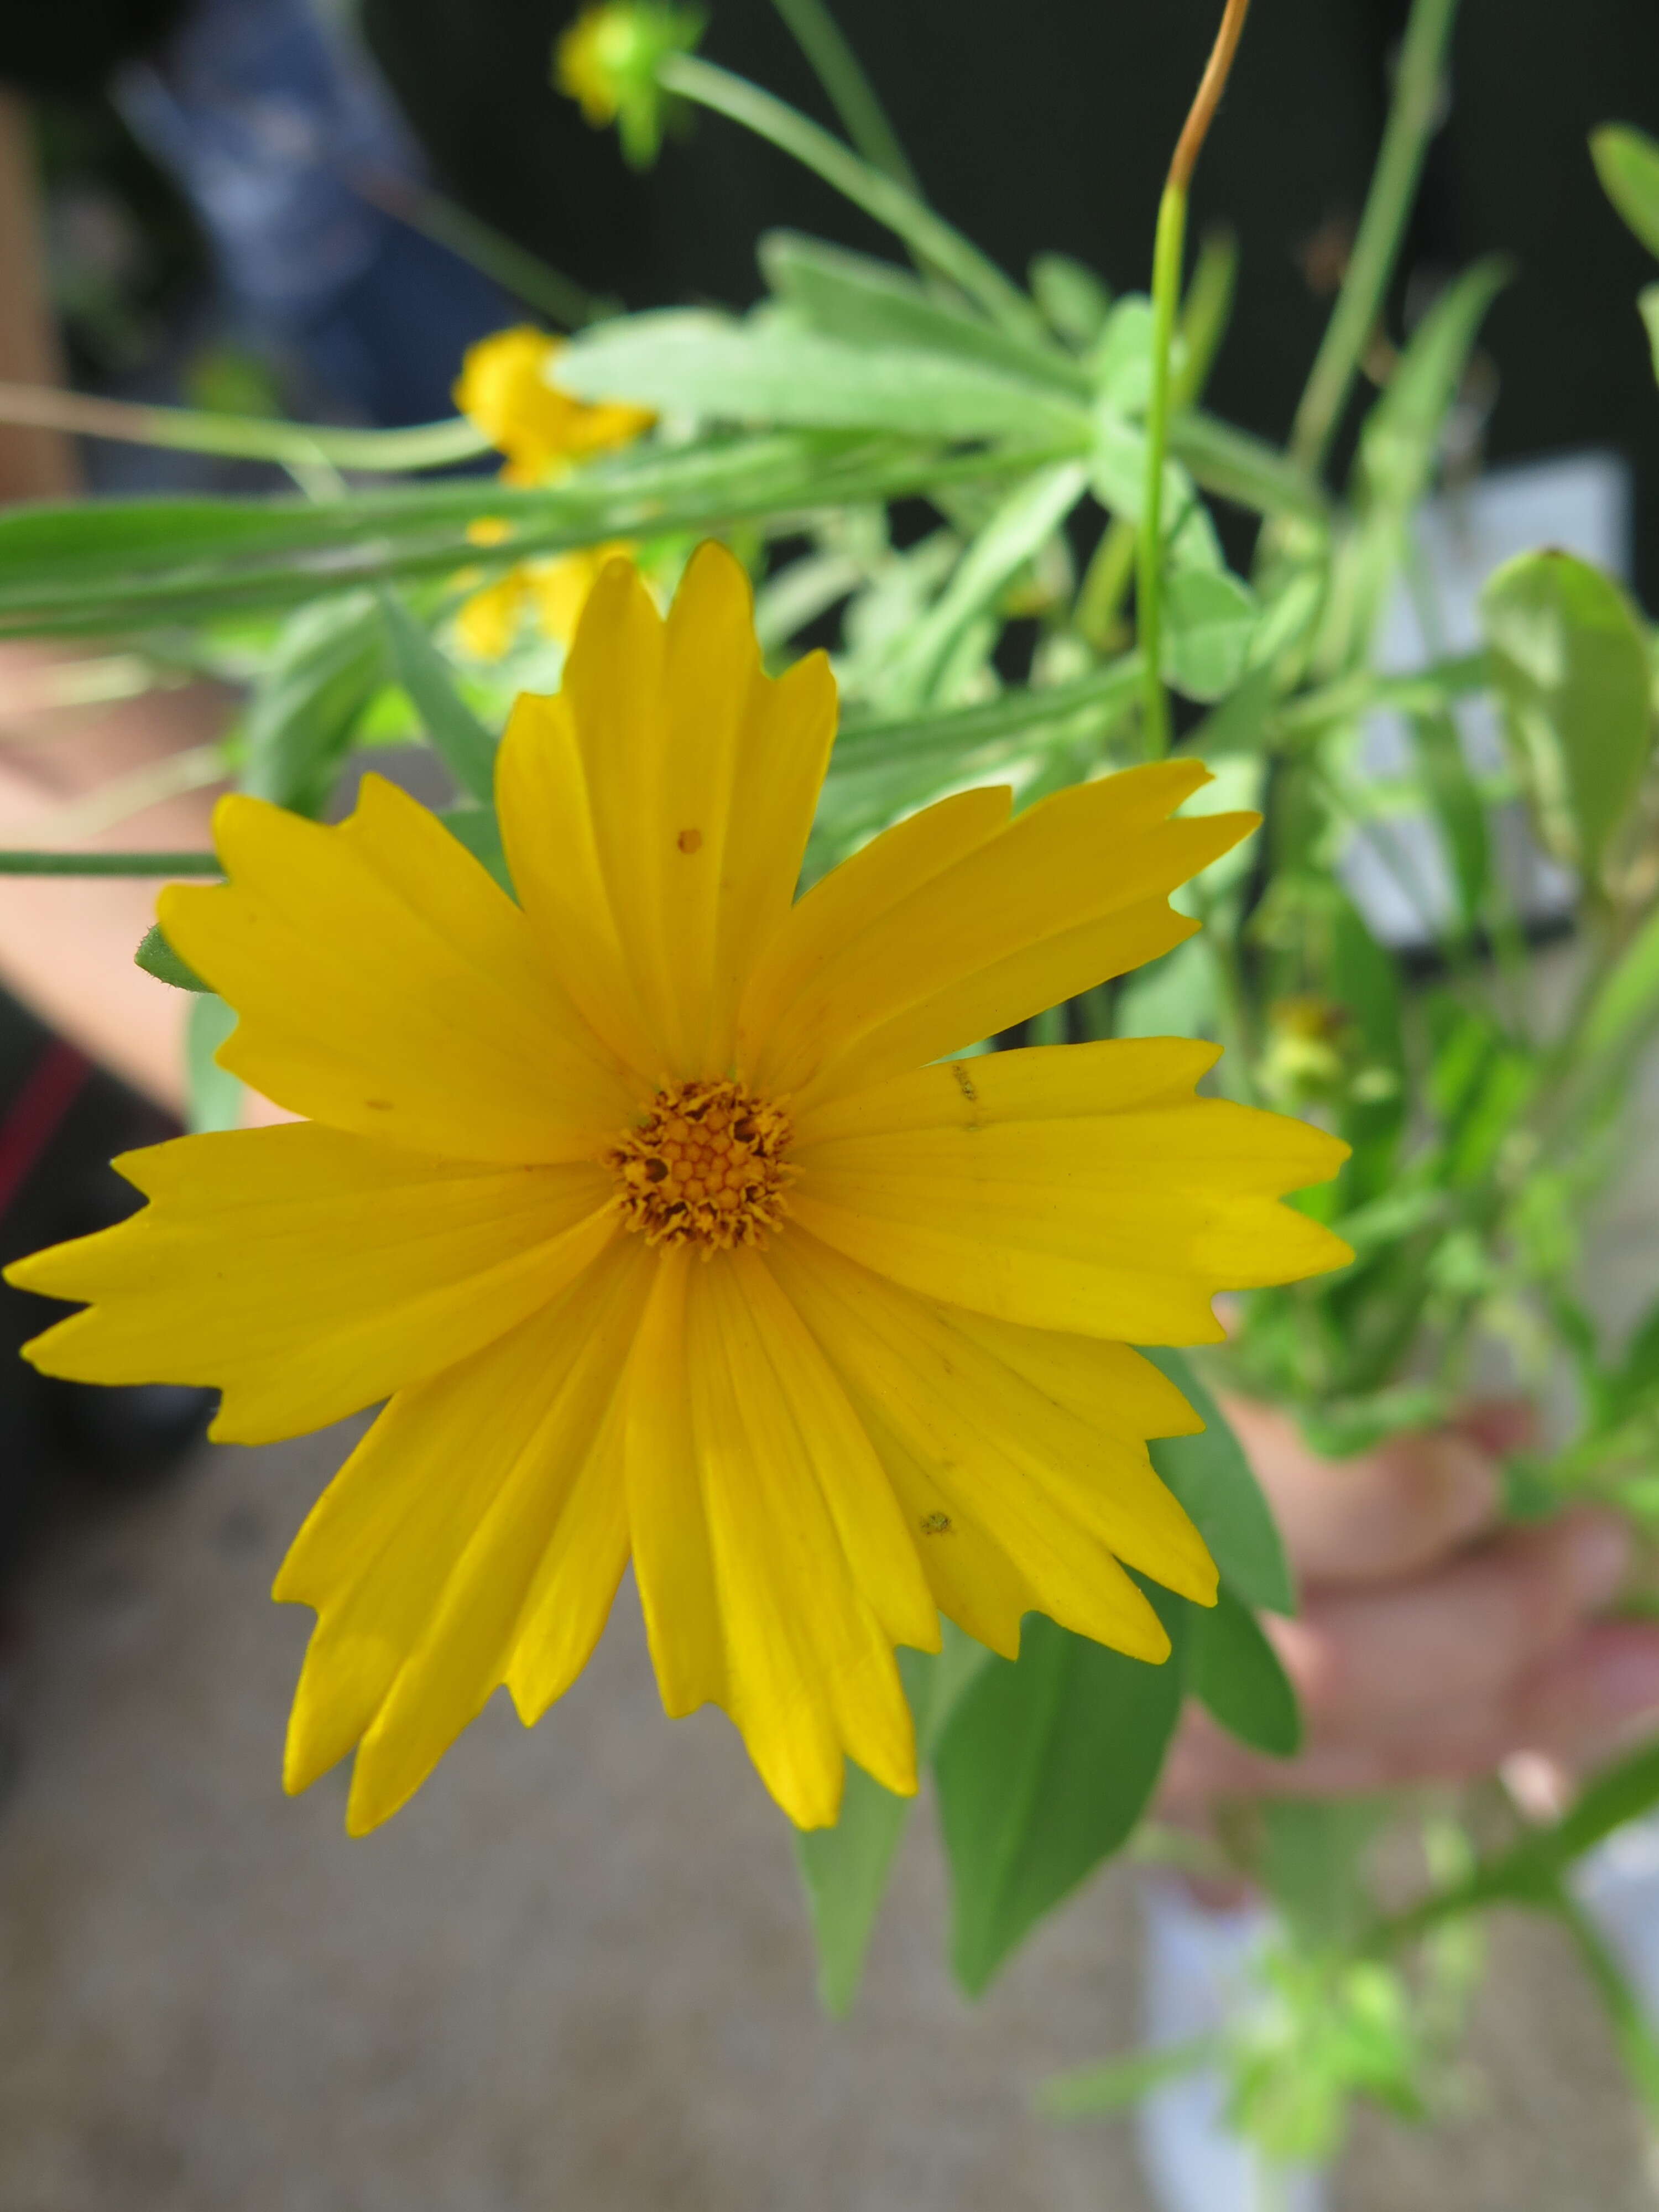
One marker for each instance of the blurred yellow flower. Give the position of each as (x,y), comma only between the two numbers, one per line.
(505,387)
(553,591)
(608,59)
(652,1206)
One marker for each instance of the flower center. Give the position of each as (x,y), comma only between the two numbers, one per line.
(705,1167)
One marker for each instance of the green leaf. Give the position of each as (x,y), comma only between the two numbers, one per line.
(1210,620)
(329,662)
(1626,1001)
(1118,472)
(1211,1476)
(157,957)
(214,1094)
(113,564)
(1458,811)
(1570,664)
(1013,537)
(1046,1766)
(460,740)
(1647,303)
(1312,1861)
(687,362)
(864,303)
(478,829)
(845,1868)
(1627,162)
(1073,302)
(1088,2093)
(1400,441)
(1235,1672)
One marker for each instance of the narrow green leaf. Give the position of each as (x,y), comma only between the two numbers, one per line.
(688,362)
(1400,441)
(845,1868)
(157,957)
(1627,999)
(1017,530)
(1072,300)
(214,1094)
(1235,1672)
(330,661)
(1647,302)
(1570,663)
(1209,622)
(1045,1768)
(864,303)
(1627,161)
(1112,2085)
(458,738)
(1211,1476)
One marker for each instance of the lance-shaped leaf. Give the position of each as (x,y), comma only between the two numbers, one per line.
(460,740)
(845,1869)
(330,661)
(766,370)
(1570,664)
(1047,1764)
(1211,1476)
(1235,1671)
(865,303)
(1627,162)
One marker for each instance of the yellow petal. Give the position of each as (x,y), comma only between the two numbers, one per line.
(994,1438)
(779,1537)
(432,1555)
(1069,894)
(505,386)
(385,984)
(1028,1194)
(306,1273)
(656,814)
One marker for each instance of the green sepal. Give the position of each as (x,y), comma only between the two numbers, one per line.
(157,957)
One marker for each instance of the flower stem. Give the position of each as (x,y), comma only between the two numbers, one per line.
(1167,254)
(907,216)
(1411,124)
(248,437)
(111,864)
(851,95)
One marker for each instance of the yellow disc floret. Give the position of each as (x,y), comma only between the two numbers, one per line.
(706,1167)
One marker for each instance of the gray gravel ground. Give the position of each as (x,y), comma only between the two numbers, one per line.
(572,1974)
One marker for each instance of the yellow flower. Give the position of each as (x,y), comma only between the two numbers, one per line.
(609,59)
(651,1207)
(505,387)
(556,590)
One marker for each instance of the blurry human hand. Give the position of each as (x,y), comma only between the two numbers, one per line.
(1433,1645)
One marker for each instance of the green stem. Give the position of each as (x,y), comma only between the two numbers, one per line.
(246,437)
(525,276)
(1411,124)
(1203,320)
(851,94)
(110,864)
(1149,576)
(907,217)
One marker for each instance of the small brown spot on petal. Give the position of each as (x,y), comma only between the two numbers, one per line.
(690,841)
(378,1105)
